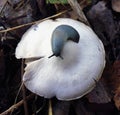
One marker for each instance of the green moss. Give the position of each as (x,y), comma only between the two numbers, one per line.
(57,1)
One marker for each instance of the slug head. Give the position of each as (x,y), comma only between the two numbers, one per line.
(60,36)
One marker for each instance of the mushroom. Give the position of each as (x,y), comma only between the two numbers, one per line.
(72,58)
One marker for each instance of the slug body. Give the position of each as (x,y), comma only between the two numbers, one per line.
(60,36)
(82,52)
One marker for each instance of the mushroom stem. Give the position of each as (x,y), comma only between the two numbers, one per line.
(50,108)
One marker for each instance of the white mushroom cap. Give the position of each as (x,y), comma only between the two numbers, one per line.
(69,78)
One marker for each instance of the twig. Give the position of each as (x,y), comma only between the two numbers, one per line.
(17,96)
(44,102)
(31,23)
(2,5)
(78,10)
(17,105)
(23,90)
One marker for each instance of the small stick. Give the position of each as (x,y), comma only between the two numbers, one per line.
(78,10)
(2,5)
(23,90)
(31,23)
(17,105)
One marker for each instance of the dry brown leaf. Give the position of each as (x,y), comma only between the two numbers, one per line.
(115,82)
